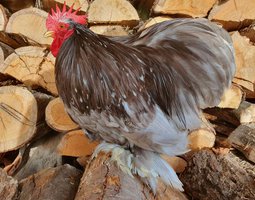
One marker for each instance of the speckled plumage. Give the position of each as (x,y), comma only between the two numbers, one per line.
(144,92)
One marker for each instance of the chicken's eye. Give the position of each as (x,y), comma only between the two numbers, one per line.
(61,26)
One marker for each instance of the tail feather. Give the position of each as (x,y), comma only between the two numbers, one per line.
(150,166)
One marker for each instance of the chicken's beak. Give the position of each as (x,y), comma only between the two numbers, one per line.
(49,34)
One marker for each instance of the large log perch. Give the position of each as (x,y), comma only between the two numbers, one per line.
(104,180)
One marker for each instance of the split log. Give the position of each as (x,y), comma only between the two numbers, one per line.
(153,21)
(102,179)
(51,184)
(34,66)
(245,62)
(232,97)
(190,8)
(245,113)
(143,7)
(234,14)
(76,144)
(14,5)
(226,120)
(3,18)
(249,32)
(109,30)
(39,155)
(243,139)
(57,118)
(8,186)
(30,22)
(21,116)
(82,4)
(119,12)
(5,51)
(211,176)
(15,40)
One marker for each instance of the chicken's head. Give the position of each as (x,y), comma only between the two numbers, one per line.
(58,25)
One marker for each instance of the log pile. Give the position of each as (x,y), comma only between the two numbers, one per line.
(45,155)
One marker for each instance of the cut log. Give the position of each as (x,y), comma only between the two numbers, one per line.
(31,23)
(153,21)
(245,113)
(3,18)
(212,176)
(15,40)
(18,117)
(21,116)
(102,179)
(8,186)
(143,7)
(14,5)
(39,155)
(51,184)
(191,8)
(249,32)
(245,61)
(234,14)
(82,4)
(201,138)
(76,144)
(1,55)
(119,12)
(232,97)
(109,30)
(243,139)
(57,118)
(177,163)
(5,51)
(34,66)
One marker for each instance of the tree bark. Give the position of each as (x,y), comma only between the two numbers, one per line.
(243,139)
(211,176)
(58,183)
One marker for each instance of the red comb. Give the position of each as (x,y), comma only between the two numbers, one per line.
(58,15)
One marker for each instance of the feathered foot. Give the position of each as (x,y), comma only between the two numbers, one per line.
(146,164)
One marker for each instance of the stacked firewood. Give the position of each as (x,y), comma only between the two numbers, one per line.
(43,153)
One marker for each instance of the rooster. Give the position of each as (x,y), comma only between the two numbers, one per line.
(140,94)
